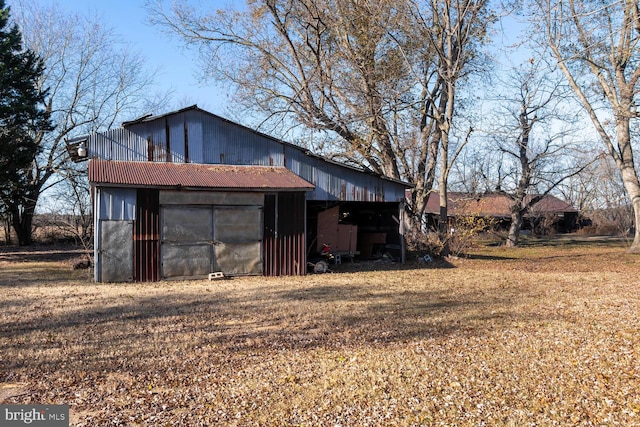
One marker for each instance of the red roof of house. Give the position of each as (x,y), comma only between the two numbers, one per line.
(492,204)
(192,175)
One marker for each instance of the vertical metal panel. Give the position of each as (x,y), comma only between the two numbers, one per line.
(97,232)
(232,144)
(167,141)
(176,132)
(147,237)
(186,235)
(186,143)
(284,245)
(237,239)
(116,251)
(117,144)
(117,204)
(196,141)
(269,235)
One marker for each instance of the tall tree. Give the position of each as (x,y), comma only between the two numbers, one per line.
(596,44)
(537,144)
(94,82)
(379,76)
(23,118)
(537,138)
(455,28)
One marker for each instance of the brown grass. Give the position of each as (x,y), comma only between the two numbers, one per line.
(542,335)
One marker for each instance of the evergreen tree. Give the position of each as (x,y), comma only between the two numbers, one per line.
(22,116)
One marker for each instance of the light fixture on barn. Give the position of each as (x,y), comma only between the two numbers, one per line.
(82,150)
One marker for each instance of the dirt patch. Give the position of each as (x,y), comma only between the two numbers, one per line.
(11,390)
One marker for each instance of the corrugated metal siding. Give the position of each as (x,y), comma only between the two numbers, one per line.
(154,133)
(184,131)
(115,254)
(234,145)
(117,204)
(195,135)
(335,182)
(284,240)
(117,144)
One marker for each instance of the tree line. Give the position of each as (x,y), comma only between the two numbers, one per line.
(409,89)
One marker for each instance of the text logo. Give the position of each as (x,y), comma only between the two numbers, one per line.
(34,415)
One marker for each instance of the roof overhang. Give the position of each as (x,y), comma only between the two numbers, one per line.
(194,176)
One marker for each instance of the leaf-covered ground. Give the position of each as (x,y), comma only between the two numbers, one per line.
(535,336)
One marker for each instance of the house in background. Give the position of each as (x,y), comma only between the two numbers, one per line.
(560,214)
(188,193)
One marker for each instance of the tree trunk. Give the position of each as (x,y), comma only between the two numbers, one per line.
(619,92)
(22,227)
(418,206)
(22,221)
(635,246)
(513,237)
(632,185)
(7,231)
(444,217)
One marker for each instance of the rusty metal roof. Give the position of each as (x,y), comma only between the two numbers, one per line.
(493,204)
(192,175)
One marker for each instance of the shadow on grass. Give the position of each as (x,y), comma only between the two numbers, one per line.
(116,334)
(484,257)
(574,240)
(414,262)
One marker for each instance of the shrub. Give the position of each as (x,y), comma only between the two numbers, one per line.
(465,230)
(460,237)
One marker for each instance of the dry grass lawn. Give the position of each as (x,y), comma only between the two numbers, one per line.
(536,336)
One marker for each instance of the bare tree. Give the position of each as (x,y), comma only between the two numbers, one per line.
(537,139)
(596,45)
(92,83)
(379,77)
(479,168)
(71,209)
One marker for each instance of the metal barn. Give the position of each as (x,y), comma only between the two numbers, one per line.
(189,193)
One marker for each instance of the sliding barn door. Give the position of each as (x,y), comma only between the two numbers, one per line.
(198,240)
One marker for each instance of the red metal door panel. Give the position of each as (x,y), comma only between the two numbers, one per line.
(146,237)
